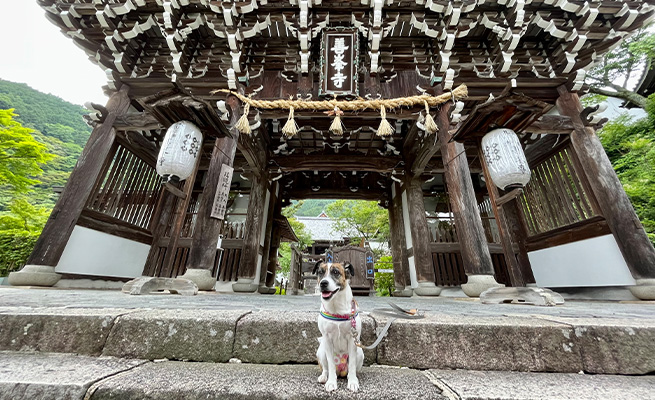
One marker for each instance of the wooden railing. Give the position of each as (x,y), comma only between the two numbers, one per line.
(124,198)
(226,262)
(557,194)
(446,251)
(558,205)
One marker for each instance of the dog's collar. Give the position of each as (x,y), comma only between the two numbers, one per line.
(341,317)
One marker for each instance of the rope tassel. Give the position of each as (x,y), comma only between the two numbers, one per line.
(337,127)
(385,128)
(291,127)
(430,126)
(243,125)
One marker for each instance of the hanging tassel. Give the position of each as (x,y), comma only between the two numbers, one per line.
(243,125)
(337,127)
(430,126)
(291,127)
(385,128)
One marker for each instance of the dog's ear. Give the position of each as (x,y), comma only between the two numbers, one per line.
(349,267)
(318,263)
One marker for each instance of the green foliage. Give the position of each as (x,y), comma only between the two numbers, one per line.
(56,124)
(363,219)
(23,216)
(15,248)
(384,284)
(630,146)
(312,207)
(304,238)
(21,155)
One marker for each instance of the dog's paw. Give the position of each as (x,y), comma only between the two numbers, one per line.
(323,378)
(353,384)
(331,386)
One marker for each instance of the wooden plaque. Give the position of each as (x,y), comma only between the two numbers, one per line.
(339,59)
(222,192)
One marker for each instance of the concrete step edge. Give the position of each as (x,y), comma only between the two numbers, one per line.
(56,375)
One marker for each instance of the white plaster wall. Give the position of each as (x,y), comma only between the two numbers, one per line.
(591,262)
(91,252)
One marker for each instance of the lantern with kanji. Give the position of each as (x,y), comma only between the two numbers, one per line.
(505,158)
(179,151)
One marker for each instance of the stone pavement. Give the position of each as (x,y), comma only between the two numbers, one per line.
(462,349)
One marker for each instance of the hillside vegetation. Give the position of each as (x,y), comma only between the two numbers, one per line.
(56,123)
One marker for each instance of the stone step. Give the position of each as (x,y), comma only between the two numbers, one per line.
(67,376)
(503,342)
(441,341)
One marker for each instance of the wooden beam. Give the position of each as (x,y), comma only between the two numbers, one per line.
(50,245)
(515,275)
(419,230)
(335,162)
(254,149)
(398,251)
(508,196)
(430,144)
(614,203)
(175,191)
(251,241)
(207,229)
(335,193)
(470,231)
(141,121)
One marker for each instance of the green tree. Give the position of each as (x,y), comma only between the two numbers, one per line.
(630,146)
(24,216)
(21,156)
(611,76)
(304,238)
(361,219)
(384,283)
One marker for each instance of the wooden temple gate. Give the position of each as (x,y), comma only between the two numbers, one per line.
(520,60)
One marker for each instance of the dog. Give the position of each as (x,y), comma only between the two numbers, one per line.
(337,352)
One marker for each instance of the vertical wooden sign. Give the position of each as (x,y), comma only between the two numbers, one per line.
(339,59)
(370,265)
(329,256)
(222,192)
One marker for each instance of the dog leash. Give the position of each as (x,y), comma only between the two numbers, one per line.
(395,312)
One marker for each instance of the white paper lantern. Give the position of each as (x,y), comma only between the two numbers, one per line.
(505,158)
(179,151)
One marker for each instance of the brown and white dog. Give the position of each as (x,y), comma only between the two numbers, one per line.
(337,353)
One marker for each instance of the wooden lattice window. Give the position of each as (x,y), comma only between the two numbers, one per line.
(557,194)
(128,190)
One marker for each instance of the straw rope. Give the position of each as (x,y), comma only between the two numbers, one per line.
(353,105)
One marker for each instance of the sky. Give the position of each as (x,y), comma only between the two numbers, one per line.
(34,51)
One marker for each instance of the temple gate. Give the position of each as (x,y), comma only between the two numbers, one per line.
(523,64)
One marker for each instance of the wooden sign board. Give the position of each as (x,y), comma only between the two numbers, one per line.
(339,59)
(222,192)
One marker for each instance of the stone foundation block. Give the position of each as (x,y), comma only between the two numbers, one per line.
(194,335)
(287,337)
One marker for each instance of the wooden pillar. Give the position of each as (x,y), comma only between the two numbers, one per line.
(401,277)
(158,225)
(251,254)
(420,233)
(40,268)
(181,207)
(207,229)
(266,275)
(470,232)
(519,235)
(515,275)
(614,203)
